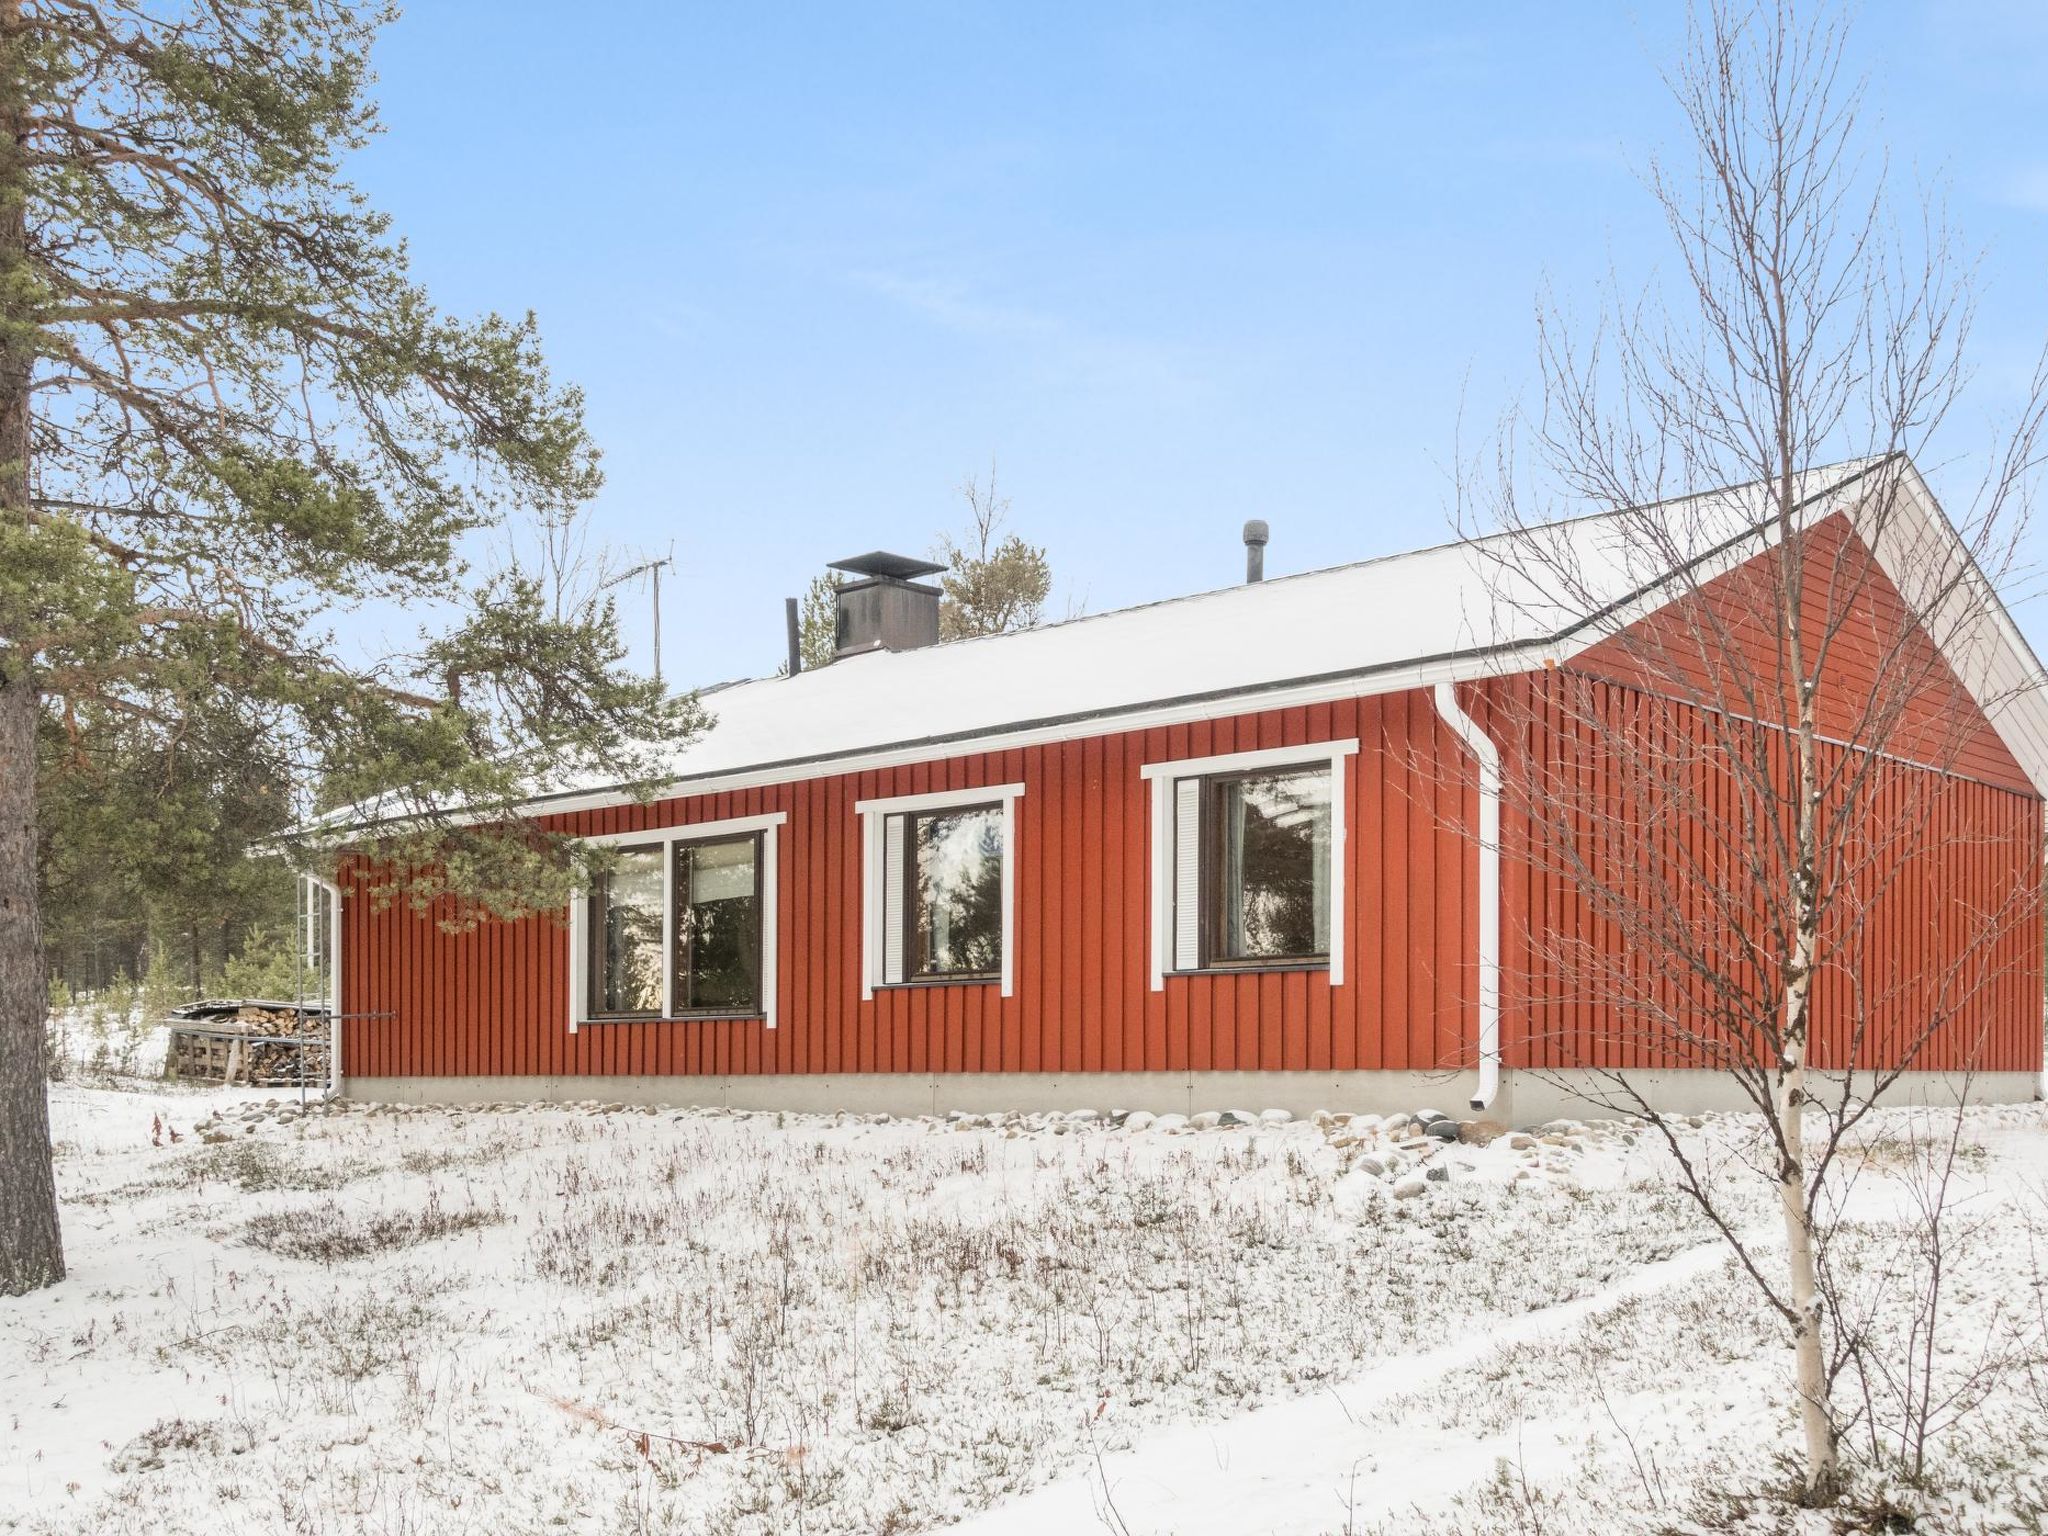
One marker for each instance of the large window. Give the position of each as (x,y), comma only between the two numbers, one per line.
(939,888)
(681,926)
(1247,861)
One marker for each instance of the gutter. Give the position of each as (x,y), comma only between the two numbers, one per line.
(1488,757)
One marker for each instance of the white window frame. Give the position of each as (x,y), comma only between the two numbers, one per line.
(768,825)
(874,815)
(1163,776)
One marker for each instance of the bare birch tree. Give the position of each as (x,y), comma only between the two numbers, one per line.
(1741,810)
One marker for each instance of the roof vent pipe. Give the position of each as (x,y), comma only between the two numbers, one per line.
(1255,536)
(796,641)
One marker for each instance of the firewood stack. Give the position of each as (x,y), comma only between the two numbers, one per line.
(254,1046)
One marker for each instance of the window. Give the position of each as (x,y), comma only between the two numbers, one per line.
(1247,861)
(625,936)
(939,890)
(1266,895)
(955,893)
(718,925)
(682,926)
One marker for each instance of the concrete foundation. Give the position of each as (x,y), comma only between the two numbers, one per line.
(1525,1097)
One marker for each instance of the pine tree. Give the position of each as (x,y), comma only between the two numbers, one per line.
(227,412)
(817,623)
(993,586)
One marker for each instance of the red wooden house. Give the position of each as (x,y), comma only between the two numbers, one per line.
(1241,848)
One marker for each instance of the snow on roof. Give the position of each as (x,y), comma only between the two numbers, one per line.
(1451,610)
(1448,601)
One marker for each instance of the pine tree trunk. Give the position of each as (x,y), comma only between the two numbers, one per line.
(31,1249)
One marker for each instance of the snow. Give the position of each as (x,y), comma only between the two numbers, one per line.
(707,1321)
(108,1036)
(1399,614)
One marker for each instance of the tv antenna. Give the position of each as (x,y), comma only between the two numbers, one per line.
(652,569)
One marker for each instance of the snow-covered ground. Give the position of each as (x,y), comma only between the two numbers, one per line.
(590,1318)
(107,1037)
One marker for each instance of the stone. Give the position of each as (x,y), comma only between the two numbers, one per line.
(1428,1116)
(1083,1116)
(1235,1117)
(1440,1174)
(1276,1116)
(1443,1129)
(1521,1141)
(1371,1165)
(1170,1122)
(1396,1123)
(1139,1120)
(1207,1120)
(1408,1187)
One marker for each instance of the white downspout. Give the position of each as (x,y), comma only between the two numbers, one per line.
(333,982)
(1488,757)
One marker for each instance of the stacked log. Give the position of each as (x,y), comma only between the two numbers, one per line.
(260,1047)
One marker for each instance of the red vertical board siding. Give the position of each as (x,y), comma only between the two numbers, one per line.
(492,1000)
(1934,917)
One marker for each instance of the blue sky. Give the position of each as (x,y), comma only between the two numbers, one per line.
(1169,266)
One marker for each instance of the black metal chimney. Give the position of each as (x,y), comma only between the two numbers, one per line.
(1255,536)
(796,635)
(884,608)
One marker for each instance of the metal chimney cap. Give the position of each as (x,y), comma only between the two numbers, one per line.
(881,563)
(1256,531)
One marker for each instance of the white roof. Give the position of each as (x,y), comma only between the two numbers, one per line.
(1453,611)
